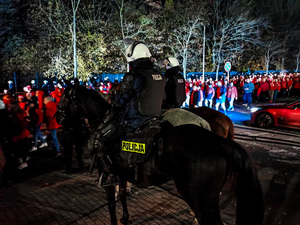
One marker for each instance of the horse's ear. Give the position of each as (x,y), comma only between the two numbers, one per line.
(76,82)
(67,82)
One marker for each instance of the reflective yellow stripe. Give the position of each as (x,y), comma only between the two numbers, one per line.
(136,147)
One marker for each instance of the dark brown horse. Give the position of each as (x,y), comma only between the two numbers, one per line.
(199,168)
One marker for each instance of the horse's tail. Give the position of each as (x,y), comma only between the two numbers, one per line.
(230,134)
(249,195)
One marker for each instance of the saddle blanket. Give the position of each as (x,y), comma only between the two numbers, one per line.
(179,117)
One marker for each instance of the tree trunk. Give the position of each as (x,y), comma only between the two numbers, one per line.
(267,66)
(217,71)
(184,63)
(297,61)
(267,62)
(219,60)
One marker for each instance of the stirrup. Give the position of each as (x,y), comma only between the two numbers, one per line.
(110,179)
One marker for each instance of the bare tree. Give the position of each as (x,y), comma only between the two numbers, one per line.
(231,31)
(185,35)
(297,60)
(272,47)
(132,24)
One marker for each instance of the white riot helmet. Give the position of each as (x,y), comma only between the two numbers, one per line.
(32,81)
(10,82)
(173,61)
(137,50)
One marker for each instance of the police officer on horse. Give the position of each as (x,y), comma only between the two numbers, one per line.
(175,86)
(139,100)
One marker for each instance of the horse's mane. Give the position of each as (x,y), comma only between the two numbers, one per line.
(92,101)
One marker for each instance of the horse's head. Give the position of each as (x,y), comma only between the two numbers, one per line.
(77,102)
(67,106)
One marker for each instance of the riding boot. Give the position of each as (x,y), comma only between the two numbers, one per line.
(108,178)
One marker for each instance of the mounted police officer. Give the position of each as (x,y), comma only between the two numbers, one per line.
(139,99)
(175,86)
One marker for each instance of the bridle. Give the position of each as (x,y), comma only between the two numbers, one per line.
(73,100)
(62,110)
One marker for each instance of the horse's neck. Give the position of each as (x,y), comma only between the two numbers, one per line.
(95,110)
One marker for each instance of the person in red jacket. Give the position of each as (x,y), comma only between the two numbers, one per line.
(231,95)
(277,88)
(289,85)
(194,97)
(40,98)
(36,117)
(284,87)
(51,123)
(271,89)
(21,101)
(59,91)
(6,98)
(20,145)
(264,88)
(296,87)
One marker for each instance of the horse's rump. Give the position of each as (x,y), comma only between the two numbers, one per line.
(219,123)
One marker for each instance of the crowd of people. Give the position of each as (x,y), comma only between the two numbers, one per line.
(23,114)
(28,124)
(247,89)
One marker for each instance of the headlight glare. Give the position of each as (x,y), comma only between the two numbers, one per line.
(254,109)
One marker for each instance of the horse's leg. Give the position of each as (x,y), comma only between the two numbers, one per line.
(204,201)
(123,198)
(110,193)
(208,215)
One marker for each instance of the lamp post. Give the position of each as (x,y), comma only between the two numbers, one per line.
(75,8)
(15,78)
(203,58)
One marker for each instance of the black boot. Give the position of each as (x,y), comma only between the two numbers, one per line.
(108,178)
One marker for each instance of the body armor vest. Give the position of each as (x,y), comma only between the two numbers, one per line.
(175,87)
(151,97)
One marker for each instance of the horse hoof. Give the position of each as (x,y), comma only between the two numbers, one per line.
(195,222)
(125,221)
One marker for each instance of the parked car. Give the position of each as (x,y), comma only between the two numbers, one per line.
(283,115)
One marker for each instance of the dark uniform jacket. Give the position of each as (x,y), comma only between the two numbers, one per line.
(175,88)
(141,93)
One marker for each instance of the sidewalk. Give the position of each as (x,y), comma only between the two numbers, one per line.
(43,194)
(55,198)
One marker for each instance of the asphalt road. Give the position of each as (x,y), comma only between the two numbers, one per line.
(277,155)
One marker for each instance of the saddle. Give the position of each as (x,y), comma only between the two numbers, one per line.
(137,147)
